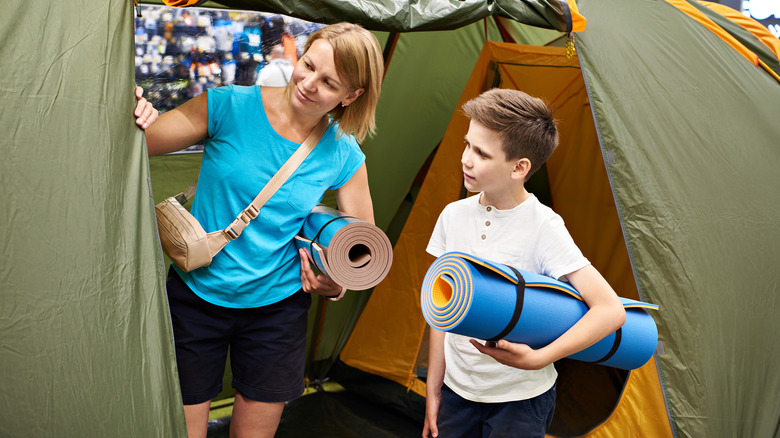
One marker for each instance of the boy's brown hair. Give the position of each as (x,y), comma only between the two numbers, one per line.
(524,124)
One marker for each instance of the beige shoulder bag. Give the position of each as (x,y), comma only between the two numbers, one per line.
(183,238)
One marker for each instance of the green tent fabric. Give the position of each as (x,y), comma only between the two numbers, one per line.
(687,127)
(85,340)
(690,136)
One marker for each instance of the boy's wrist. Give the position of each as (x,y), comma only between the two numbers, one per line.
(544,357)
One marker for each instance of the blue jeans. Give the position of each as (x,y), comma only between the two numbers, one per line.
(461,418)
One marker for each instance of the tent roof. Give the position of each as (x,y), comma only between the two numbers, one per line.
(395,16)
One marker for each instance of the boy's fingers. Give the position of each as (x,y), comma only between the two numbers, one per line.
(495,353)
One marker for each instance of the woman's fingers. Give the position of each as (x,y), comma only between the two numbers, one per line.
(313,283)
(145,112)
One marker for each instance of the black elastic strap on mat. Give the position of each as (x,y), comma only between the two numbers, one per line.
(518,306)
(317,236)
(615,345)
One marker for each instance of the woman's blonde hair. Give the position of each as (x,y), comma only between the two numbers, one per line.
(359,61)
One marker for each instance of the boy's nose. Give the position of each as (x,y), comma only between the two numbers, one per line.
(464,159)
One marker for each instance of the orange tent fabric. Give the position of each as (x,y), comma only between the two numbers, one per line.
(390,334)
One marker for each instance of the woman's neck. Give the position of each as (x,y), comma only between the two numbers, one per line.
(283,118)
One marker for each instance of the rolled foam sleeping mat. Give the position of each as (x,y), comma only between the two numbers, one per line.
(352,252)
(485,300)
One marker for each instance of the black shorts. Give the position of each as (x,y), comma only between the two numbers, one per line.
(267,345)
(461,418)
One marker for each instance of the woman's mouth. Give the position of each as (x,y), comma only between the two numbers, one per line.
(302,96)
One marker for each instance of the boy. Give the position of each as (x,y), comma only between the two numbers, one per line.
(506,389)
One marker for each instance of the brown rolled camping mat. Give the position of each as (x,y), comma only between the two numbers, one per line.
(352,252)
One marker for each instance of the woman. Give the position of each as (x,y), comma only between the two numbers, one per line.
(254,297)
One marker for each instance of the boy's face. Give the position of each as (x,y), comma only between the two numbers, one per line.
(485,167)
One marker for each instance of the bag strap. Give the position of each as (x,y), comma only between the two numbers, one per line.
(288,168)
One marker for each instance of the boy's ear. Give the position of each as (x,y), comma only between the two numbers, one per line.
(522,167)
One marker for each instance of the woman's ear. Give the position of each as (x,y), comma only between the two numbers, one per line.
(522,168)
(352,96)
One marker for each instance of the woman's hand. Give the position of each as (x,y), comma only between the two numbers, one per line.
(318,284)
(145,114)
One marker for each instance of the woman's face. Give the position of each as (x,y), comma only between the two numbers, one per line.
(316,86)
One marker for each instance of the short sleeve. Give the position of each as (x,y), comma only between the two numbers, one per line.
(218,100)
(353,159)
(437,245)
(558,254)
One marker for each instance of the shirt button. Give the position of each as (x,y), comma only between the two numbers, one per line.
(489,208)
(487,223)
(484,237)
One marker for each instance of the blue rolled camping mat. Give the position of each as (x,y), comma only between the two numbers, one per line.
(352,252)
(481,299)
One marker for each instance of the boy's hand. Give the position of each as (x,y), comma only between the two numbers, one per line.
(512,354)
(144,112)
(432,403)
(318,284)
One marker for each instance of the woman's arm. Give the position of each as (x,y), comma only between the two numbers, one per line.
(176,129)
(354,197)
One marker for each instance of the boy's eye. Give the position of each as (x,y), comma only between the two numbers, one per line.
(480,153)
(329,84)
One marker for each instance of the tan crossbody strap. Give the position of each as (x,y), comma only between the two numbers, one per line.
(288,168)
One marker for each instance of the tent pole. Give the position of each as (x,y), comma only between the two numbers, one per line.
(392,40)
(505,35)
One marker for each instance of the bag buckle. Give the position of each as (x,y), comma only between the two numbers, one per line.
(250,212)
(231,234)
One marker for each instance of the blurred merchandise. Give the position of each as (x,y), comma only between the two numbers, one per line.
(179,53)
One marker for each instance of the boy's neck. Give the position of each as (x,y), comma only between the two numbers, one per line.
(505,200)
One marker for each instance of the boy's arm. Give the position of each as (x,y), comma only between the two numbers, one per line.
(434,382)
(605,315)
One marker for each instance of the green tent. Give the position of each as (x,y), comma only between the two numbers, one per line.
(686,125)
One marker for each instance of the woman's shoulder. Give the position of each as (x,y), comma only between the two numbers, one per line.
(339,137)
(233,91)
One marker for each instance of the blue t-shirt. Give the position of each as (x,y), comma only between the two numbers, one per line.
(242,153)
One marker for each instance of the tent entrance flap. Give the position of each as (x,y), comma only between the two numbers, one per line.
(579,191)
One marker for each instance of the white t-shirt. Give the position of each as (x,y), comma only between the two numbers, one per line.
(530,237)
(276,74)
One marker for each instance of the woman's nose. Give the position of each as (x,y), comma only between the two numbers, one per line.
(309,82)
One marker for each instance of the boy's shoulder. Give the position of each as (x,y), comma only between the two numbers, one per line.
(461,205)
